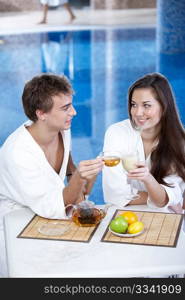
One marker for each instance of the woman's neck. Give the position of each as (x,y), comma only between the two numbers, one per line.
(150,139)
(150,136)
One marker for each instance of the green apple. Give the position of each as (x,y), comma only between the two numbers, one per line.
(119,225)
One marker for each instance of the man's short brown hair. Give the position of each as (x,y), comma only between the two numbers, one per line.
(38,93)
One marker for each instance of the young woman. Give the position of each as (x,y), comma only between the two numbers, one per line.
(159,176)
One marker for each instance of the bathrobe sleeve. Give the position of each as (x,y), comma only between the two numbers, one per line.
(28,179)
(175,192)
(33,184)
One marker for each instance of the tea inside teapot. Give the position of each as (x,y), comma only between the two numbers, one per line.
(86,214)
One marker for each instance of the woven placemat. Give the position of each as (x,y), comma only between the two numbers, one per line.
(74,234)
(160,229)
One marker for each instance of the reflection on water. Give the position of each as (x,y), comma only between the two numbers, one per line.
(101,65)
(62,54)
(57,52)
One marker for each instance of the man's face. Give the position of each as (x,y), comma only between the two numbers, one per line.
(61,114)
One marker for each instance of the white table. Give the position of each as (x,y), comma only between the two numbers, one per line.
(48,258)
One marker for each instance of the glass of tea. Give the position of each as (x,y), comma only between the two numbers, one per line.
(110,158)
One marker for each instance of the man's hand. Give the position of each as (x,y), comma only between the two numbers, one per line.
(88,169)
(82,180)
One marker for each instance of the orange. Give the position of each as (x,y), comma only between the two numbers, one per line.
(130,216)
(135,227)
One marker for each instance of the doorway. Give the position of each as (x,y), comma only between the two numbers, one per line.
(79,3)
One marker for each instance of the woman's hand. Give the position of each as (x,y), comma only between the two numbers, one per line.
(156,191)
(88,169)
(141,173)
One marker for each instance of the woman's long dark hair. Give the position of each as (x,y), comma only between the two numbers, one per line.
(169,155)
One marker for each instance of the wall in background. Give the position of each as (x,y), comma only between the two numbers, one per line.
(19,5)
(22,5)
(122,4)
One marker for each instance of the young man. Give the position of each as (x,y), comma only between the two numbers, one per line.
(35,158)
(47,3)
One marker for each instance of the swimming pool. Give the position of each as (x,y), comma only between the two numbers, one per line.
(101,65)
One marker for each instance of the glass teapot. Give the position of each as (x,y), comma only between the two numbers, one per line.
(85,213)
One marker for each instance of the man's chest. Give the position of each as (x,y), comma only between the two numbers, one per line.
(55,155)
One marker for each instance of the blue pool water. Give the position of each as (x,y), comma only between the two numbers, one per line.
(101,65)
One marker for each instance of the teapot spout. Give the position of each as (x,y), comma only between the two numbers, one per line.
(106,207)
(104,210)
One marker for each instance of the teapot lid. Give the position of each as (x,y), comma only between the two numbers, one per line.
(86,204)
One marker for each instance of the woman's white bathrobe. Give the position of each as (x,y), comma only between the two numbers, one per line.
(123,138)
(27,179)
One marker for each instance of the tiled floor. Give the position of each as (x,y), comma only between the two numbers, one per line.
(58,19)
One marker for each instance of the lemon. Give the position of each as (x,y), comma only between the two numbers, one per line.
(130,216)
(135,227)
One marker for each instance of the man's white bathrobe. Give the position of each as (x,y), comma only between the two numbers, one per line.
(123,138)
(27,179)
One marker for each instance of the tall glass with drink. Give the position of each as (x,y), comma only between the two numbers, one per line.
(129,162)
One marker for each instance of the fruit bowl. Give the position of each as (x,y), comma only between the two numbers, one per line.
(126,235)
(126,225)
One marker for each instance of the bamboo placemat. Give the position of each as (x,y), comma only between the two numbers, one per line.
(161,229)
(75,233)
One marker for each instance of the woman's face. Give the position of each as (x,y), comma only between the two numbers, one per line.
(146,111)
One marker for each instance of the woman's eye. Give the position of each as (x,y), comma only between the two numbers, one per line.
(133,105)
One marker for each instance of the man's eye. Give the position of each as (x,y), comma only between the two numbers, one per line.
(66,108)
